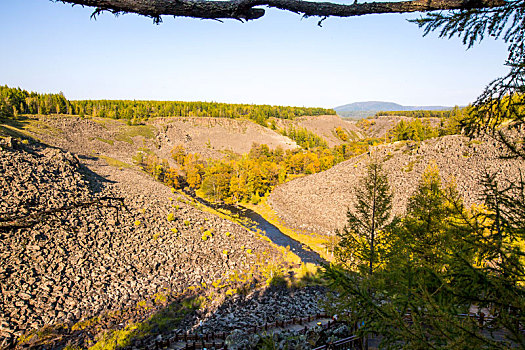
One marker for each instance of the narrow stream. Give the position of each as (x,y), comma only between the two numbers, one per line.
(273,233)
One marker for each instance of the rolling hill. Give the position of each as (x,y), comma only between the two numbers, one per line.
(368,108)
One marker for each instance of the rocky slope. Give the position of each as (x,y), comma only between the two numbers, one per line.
(457,158)
(86,256)
(211,137)
(323,126)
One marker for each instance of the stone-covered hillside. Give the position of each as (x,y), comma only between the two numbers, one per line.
(67,253)
(323,210)
(323,126)
(211,137)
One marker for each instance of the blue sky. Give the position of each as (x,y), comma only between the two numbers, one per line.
(278,59)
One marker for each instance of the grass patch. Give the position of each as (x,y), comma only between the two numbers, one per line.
(409,167)
(127,132)
(100,122)
(145,150)
(6,131)
(39,127)
(109,142)
(21,128)
(163,321)
(115,162)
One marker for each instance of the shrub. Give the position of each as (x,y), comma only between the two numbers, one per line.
(171,217)
(207,234)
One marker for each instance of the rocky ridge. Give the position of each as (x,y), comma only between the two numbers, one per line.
(458,158)
(212,137)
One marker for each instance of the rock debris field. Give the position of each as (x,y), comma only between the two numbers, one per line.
(75,263)
(457,158)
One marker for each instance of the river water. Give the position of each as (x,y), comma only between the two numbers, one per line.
(257,222)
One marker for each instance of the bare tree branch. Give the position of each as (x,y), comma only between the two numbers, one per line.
(247,10)
(8,222)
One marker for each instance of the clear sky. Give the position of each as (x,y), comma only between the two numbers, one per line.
(278,59)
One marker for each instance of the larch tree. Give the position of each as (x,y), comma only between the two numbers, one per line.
(359,243)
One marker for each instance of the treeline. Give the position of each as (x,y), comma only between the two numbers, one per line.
(15,101)
(418,113)
(138,111)
(244,178)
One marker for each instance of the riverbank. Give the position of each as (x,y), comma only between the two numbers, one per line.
(237,218)
(321,244)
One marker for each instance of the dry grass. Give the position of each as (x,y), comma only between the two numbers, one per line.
(115,162)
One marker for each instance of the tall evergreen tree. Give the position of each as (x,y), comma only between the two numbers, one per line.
(371,213)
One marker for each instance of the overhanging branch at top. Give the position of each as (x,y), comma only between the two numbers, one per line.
(248,10)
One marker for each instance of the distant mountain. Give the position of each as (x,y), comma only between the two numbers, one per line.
(360,108)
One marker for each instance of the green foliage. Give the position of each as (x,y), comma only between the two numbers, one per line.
(503,101)
(362,241)
(305,138)
(162,321)
(416,114)
(15,101)
(136,112)
(158,168)
(444,260)
(341,134)
(245,178)
(415,130)
(419,127)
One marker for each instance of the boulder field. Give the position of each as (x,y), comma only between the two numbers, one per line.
(457,158)
(79,237)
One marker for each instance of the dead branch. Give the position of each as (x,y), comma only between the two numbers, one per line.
(247,10)
(25,221)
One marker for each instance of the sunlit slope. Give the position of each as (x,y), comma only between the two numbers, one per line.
(210,137)
(319,202)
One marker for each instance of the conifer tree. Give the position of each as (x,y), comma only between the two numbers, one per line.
(371,213)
